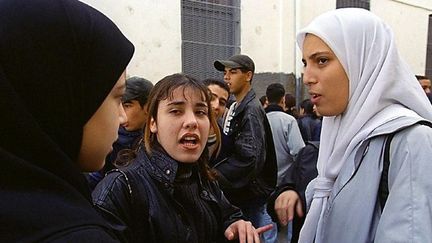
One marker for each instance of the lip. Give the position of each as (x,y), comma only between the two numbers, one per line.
(190,146)
(315,97)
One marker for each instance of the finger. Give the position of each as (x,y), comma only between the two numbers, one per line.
(299,208)
(242,232)
(229,233)
(282,216)
(256,236)
(290,212)
(249,232)
(264,228)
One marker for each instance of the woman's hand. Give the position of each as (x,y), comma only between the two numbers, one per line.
(245,232)
(285,205)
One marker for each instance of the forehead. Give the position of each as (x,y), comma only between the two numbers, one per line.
(190,94)
(219,91)
(425,81)
(313,43)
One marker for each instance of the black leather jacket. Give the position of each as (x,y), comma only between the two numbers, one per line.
(138,202)
(249,171)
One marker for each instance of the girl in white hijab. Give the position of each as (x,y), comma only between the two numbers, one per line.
(365,91)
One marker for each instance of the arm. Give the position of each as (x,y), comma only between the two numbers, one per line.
(295,140)
(284,203)
(112,200)
(407,215)
(238,168)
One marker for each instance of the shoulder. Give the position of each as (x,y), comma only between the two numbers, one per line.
(410,151)
(115,182)
(414,138)
(120,181)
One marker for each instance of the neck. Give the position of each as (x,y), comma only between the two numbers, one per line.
(184,172)
(240,96)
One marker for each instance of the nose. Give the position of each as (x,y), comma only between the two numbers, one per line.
(122,115)
(214,104)
(308,77)
(226,76)
(190,120)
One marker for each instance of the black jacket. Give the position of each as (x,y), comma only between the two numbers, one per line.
(250,170)
(138,202)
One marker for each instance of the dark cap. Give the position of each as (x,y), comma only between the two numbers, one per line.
(236,61)
(137,89)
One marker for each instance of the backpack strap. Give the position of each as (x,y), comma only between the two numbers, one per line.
(383,190)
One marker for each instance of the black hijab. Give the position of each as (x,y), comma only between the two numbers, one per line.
(58,62)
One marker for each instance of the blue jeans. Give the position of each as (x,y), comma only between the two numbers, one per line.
(289,231)
(256,212)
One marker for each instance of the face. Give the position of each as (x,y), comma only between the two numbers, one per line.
(100,132)
(238,82)
(426,85)
(182,124)
(219,99)
(136,115)
(325,77)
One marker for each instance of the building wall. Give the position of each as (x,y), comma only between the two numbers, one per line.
(410,26)
(154,27)
(267,33)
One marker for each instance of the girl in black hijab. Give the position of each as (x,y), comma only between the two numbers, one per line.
(61,80)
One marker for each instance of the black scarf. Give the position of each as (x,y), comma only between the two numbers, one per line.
(58,62)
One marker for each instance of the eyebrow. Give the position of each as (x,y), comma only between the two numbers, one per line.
(317,54)
(181,102)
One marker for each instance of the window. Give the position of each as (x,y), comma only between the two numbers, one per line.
(210,31)
(353,4)
(429,50)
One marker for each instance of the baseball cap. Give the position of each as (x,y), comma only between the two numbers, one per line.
(236,61)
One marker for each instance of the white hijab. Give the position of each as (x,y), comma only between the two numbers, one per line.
(384,95)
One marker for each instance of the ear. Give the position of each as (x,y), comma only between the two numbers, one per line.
(249,76)
(145,108)
(153,125)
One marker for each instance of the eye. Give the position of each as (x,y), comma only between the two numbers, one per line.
(175,111)
(213,97)
(304,62)
(322,60)
(201,112)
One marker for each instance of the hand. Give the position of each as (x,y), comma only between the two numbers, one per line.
(245,232)
(285,204)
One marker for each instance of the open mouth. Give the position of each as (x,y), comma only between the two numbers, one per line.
(314,97)
(189,140)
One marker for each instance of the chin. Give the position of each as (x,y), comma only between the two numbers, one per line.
(188,159)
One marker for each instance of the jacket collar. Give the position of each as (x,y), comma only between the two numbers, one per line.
(160,166)
(248,98)
(273,107)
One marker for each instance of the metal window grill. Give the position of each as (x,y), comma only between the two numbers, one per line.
(429,50)
(353,4)
(210,31)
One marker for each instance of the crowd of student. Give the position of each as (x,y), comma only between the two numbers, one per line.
(90,156)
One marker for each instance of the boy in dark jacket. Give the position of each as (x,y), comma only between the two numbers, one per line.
(248,174)
(130,133)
